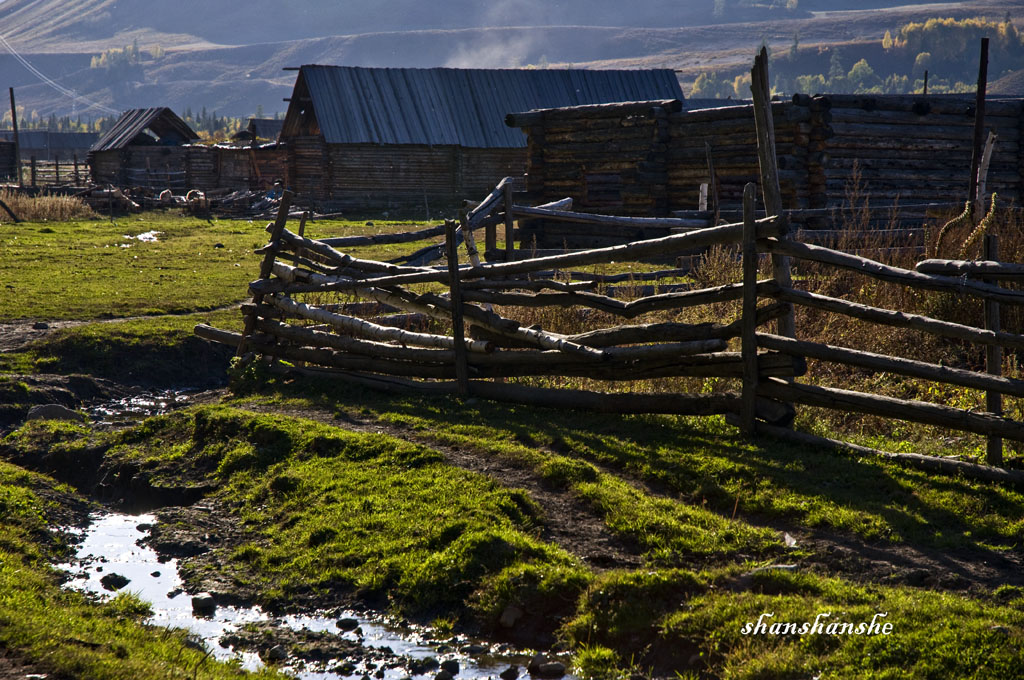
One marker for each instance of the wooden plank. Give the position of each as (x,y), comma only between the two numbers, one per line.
(982,269)
(884,272)
(895,319)
(890,407)
(889,364)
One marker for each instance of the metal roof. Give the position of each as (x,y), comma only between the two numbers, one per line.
(163,122)
(458,107)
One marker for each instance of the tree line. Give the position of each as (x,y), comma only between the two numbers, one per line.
(896,64)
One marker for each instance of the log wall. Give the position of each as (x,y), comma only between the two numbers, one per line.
(360,177)
(652,163)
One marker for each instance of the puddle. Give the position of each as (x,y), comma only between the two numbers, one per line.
(145,237)
(109,545)
(134,409)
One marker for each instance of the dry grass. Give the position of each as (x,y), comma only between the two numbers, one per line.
(44,207)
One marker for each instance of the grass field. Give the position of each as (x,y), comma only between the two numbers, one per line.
(644,543)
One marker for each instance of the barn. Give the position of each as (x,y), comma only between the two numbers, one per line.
(421,139)
(146,147)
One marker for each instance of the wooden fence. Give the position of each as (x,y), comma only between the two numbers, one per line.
(439,329)
(37,173)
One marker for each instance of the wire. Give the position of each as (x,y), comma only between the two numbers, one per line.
(56,86)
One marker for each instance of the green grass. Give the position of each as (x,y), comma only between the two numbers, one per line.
(330,512)
(697,620)
(708,466)
(65,632)
(161,351)
(89,269)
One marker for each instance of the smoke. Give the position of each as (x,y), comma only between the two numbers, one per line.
(494,49)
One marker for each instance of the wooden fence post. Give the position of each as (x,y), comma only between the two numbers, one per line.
(768,162)
(267,266)
(32,170)
(78,180)
(458,326)
(749,313)
(993,355)
(510,241)
(56,171)
(979,131)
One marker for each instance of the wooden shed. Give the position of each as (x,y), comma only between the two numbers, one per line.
(146,147)
(398,138)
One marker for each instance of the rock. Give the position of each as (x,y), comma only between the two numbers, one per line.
(379,674)
(346,668)
(53,412)
(155,574)
(475,649)
(114,581)
(510,673)
(1003,630)
(451,665)
(275,653)
(551,669)
(40,326)
(443,649)
(218,245)
(443,675)
(348,623)
(145,527)
(203,604)
(510,616)
(534,666)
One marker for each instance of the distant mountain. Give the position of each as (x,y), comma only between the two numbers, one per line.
(229,56)
(53,23)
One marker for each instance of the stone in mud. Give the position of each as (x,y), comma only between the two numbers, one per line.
(510,673)
(53,412)
(275,653)
(451,665)
(40,326)
(203,604)
(348,623)
(475,649)
(424,665)
(114,581)
(443,675)
(534,666)
(551,669)
(510,616)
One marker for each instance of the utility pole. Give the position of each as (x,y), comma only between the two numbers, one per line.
(17,143)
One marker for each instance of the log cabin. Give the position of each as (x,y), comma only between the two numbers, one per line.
(362,139)
(146,147)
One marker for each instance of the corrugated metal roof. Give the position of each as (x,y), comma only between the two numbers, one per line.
(458,107)
(160,120)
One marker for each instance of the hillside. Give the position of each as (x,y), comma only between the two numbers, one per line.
(231,61)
